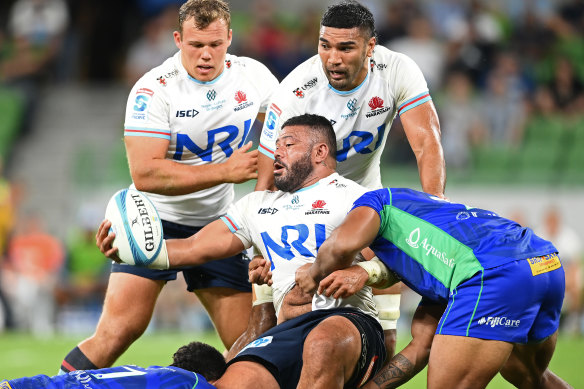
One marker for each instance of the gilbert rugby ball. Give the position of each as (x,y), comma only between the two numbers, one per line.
(137,226)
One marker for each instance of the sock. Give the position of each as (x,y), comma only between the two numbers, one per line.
(76,360)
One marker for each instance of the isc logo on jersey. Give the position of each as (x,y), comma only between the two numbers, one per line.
(137,226)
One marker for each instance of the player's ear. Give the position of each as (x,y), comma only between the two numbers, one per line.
(321,153)
(229,37)
(177,39)
(371,46)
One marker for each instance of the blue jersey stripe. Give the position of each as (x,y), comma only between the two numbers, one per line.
(414,102)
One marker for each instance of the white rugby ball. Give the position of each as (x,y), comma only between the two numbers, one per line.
(137,226)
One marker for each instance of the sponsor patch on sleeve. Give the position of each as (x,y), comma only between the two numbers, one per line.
(272,118)
(141,103)
(544,264)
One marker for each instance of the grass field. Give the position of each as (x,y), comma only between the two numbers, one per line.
(22,355)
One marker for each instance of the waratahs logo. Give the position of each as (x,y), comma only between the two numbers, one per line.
(376,105)
(240,97)
(242,102)
(318,204)
(318,208)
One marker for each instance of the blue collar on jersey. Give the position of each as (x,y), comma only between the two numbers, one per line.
(307,187)
(352,90)
(207,82)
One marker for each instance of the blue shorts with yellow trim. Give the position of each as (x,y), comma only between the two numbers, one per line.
(229,272)
(517,302)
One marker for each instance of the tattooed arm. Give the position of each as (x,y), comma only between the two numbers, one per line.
(414,357)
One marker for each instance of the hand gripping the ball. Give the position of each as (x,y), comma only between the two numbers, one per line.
(105,238)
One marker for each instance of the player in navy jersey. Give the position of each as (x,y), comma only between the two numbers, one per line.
(501,285)
(195,366)
(185,133)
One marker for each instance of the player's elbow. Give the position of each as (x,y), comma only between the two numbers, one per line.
(339,251)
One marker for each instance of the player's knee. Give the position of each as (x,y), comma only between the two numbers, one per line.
(515,372)
(119,337)
(319,346)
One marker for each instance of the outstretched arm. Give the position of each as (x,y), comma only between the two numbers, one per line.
(422,129)
(214,241)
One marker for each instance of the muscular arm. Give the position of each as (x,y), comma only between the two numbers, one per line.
(214,241)
(414,357)
(337,252)
(422,129)
(152,172)
(265,173)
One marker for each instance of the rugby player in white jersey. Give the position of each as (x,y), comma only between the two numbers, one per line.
(319,342)
(360,87)
(185,134)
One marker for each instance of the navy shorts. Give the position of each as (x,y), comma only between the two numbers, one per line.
(280,348)
(229,272)
(517,302)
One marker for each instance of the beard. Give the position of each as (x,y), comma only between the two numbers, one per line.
(295,175)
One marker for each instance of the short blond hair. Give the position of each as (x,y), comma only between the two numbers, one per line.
(204,13)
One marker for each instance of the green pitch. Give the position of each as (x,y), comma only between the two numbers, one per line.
(23,355)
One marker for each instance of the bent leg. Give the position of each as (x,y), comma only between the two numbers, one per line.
(127,310)
(229,309)
(330,355)
(527,366)
(464,362)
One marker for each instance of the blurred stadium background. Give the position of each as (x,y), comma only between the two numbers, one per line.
(507,77)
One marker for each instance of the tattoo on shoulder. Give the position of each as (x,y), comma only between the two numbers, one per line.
(399,371)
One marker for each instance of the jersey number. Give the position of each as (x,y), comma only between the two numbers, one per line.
(362,145)
(301,233)
(206,154)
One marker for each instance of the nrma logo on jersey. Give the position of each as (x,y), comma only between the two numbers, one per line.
(261,342)
(224,137)
(499,321)
(414,242)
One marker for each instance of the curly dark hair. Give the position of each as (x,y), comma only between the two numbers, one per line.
(350,14)
(200,358)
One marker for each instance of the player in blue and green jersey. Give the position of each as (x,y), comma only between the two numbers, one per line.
(206,360)
(501,285)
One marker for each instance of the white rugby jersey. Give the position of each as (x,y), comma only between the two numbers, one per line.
(361,117)
(288,229)
(204,122)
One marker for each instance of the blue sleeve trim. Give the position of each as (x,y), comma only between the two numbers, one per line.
(414,102)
